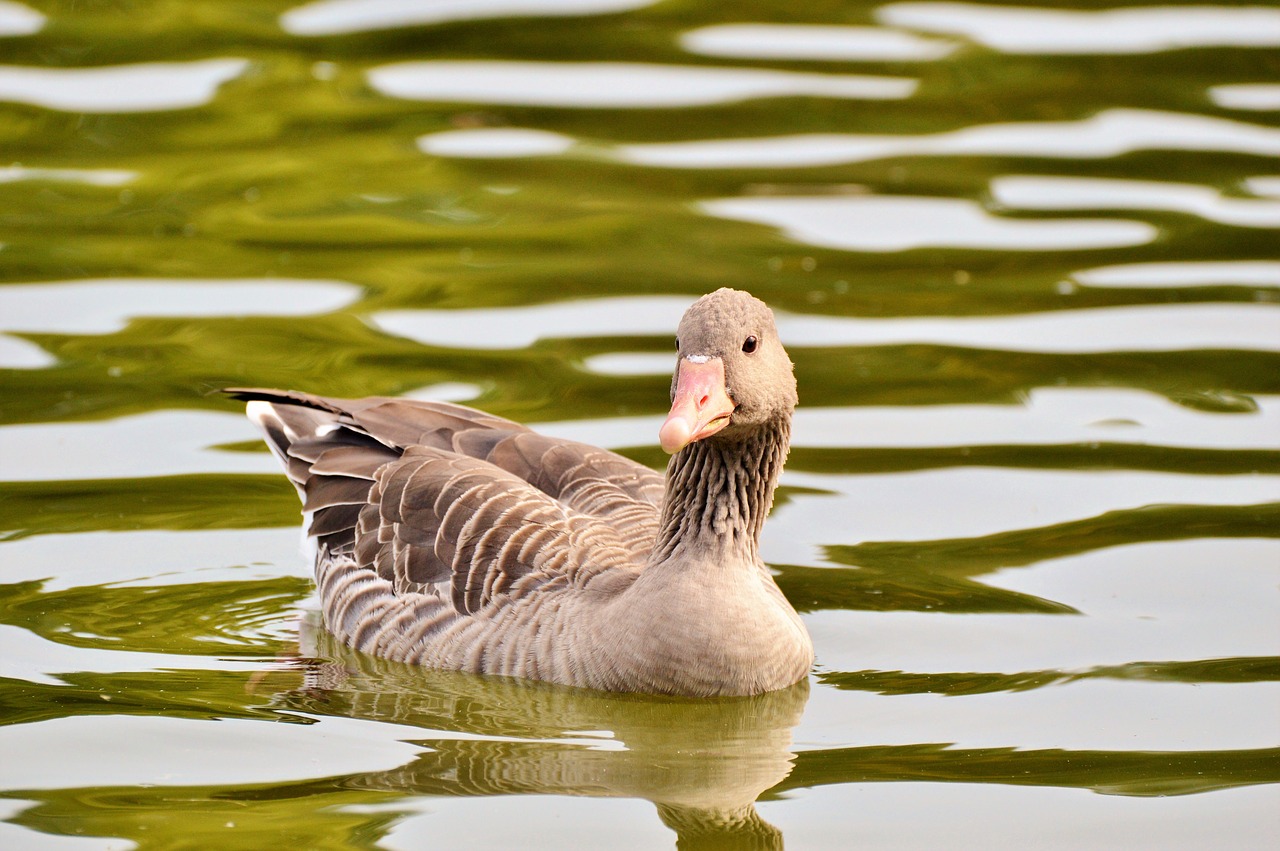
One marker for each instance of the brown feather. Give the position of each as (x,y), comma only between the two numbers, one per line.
(337,518)
(323,491)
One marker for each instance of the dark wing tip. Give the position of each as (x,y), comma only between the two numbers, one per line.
(283,397)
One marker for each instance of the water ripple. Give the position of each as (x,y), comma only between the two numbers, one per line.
(974,502)
(21,354)
(35,659)
(1140,715)
(158,443)
(1081,193)
(1139,328)
(147,87)
(87,176)
(106,305)
(340,17)
(1260,97)
(17,19)
(1264,186)
(1050,415)
(154,557)
(1012,29)
(1134,599)
(495,143)
(1110,133)
(1189,273)
(813,42)
(104,751)
(520,327)
(887,224)
(889,812)
(618,85)
(1155,328)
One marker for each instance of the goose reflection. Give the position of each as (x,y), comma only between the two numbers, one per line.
(702,762)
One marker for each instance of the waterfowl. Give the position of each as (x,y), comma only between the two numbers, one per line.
(454,539)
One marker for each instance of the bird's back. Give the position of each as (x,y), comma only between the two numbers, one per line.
(451,537)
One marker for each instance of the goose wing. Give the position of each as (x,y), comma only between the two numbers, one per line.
(439,498)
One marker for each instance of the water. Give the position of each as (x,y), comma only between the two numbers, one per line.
(1025,260)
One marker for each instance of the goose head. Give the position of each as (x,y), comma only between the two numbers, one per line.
(732,375)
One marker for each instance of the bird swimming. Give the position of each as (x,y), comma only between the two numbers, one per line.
(454,539)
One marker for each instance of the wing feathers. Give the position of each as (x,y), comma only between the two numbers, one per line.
(338,518)
(467,508)
(358,460)
(325,491)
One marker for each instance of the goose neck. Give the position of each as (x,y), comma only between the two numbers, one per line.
(719,492)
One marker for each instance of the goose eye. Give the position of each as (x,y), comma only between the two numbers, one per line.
(749,345)
(677,344)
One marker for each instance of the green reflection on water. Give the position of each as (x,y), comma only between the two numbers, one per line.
(325,815)
(197,694)
(291,173)
(702,762)
(1109,772)
(1234,670)
(161,502)
(971,556)
(180,363)
(185,619)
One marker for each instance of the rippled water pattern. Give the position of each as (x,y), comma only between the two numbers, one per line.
(1025,258)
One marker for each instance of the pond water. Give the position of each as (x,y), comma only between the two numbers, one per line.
(1026,261)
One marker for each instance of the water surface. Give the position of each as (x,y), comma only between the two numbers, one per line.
(1024,258)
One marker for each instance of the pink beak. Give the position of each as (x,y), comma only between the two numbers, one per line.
(701,406)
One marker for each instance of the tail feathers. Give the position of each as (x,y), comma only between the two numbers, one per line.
(330,463)
(282,427)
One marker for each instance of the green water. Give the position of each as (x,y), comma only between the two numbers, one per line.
(1026,267)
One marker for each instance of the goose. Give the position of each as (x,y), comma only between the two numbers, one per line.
(454,539)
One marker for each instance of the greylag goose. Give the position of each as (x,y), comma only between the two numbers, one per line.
(453,539)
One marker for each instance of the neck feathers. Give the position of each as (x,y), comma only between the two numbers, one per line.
(719,493)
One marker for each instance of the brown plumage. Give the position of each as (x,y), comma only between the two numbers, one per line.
(455,539)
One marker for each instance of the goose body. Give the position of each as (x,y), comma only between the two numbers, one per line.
(454,539)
